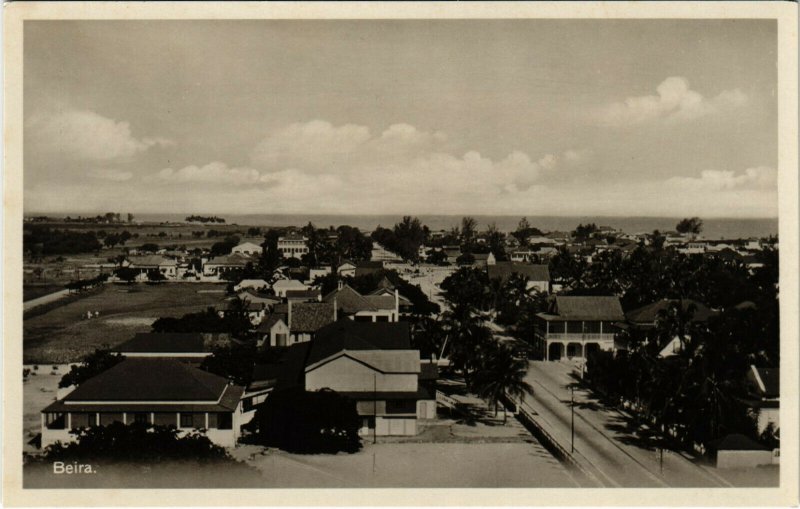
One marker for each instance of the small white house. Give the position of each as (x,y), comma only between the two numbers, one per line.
(281,286)
(247,248)
(255,284)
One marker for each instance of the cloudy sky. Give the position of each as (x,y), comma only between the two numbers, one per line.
(548,117)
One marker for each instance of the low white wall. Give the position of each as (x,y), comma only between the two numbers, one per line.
(743,459)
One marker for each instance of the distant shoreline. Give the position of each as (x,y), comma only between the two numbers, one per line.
(728,228)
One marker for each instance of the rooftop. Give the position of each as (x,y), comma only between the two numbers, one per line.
(650,313)
(150,379)
(310,316)
(504,270)
(584,307)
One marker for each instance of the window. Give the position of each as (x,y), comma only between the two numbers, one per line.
(141,418)
(187,420)
(224,420)
(401,406)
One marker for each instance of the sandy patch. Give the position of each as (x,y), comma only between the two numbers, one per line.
(131,321)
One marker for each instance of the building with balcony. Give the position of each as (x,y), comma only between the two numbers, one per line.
(292,245)
(573,326)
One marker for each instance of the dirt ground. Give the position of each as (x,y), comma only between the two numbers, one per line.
(38,392)
(63,334)
(423,465)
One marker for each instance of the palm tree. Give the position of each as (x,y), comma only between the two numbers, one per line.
(502,374)
(467,337)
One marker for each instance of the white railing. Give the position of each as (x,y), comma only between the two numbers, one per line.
(578,336)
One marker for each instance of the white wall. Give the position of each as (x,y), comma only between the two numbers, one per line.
(743,459)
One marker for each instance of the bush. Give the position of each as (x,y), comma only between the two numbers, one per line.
(135,443)
(309,422)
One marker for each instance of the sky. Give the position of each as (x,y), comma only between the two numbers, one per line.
(493,117)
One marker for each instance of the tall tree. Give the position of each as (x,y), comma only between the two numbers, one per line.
(501,374)
(469,229)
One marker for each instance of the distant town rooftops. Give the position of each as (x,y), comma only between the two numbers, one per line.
(649,313)
(504,270)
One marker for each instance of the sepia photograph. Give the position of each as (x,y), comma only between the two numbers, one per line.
(352,252)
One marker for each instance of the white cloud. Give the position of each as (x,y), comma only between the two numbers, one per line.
(212,173)
(761,177)
(111,174)
(85,135)
(316,143)
(675,101)
(319,166)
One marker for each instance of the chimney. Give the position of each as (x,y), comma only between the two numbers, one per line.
(339,284)
(289,317)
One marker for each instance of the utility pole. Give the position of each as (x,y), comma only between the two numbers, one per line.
(375,408)
(572,406)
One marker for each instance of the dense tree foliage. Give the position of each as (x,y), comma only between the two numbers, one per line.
(404,239)
(204,219)
(234,322)
(39,240)
(92,365)
(525,230)
(584,231)
(309,422)
(135,443)
(235,361)
(692,225)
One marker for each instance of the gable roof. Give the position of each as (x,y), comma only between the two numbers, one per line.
(650,313)
(234,259)
(247,244)
(289,283)
(151,261)
(267,324)
(165,342)
(303,294)
(252,283)
(504,270)
(250,295)
(310,316)
(380,302)
(348,300)
(385,291)
(150,379)
(585,307)
(351,335)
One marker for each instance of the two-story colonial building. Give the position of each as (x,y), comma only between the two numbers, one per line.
(292,245)
(575,325)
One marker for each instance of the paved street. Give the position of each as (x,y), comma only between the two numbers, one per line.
(604,446)
(44,299)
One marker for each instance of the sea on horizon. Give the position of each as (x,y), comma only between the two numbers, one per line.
(713,228)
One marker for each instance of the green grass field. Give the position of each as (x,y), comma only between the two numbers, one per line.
(63,334)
